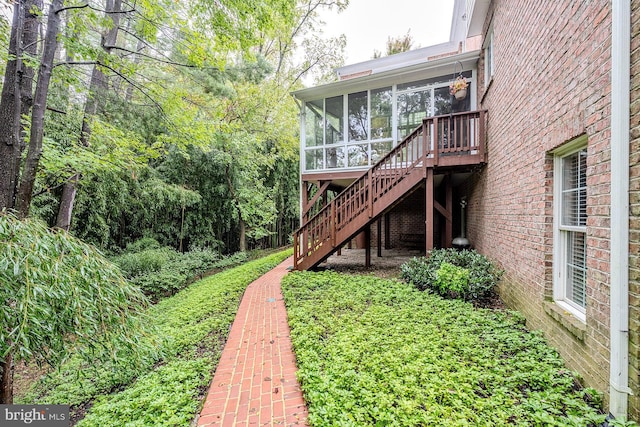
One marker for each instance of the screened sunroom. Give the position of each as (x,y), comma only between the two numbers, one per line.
(352,128)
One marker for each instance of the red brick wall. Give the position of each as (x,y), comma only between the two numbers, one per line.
(551,84)
(406,218)
(634,224)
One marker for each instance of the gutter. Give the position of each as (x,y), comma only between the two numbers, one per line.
(619,278)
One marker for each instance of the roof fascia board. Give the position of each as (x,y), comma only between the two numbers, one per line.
(398,60)
(458,21)
(425,69)
(476,15)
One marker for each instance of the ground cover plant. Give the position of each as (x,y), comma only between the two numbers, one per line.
(378,352)
(189,330)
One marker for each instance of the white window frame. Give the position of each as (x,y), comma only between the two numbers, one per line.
(560,249)
(489,53)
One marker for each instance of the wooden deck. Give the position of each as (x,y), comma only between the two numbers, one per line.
(448,142)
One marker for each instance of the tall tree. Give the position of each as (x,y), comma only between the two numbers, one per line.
(97,92)
(17,95)
(28,176)
(397,45)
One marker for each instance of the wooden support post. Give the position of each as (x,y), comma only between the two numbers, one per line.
(426,140)
(296,250)
(370,191)
(367,246)
(304,241)
(437,138)
(333,223)
(481,137)
(387,231)
(305,203)
(429,212)
(449,206)
(379,237)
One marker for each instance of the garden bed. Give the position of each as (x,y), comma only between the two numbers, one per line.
(377,352)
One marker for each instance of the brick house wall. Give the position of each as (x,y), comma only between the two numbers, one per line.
(634,223)
(551,84)
(407,224)
(405,219)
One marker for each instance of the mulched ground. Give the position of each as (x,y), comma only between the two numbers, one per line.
(352,261)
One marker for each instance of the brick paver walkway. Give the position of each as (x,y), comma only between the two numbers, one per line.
(255,382)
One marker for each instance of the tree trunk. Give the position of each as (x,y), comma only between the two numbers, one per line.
(10,114)
(97,87)
(128,96)
(17,97)
(98,83)
(31,31)
(6,380)
(243,227)
(243,233)
(63,221)
(25,190)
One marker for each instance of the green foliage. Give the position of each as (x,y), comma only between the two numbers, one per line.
(375,352)
(143,244)
(161,272)
(167,396)
(621,423)
(443,265)
(452,280)
(189,329)
(144,262)
(60,294)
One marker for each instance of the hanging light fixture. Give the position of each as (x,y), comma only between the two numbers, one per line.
(461,242)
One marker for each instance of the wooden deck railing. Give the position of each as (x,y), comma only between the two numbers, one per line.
(459,139)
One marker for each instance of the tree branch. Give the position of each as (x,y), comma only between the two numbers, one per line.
(122,76)
(87,5)
(165,61)
(56,110)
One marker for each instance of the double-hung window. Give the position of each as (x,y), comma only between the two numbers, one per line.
(570,227)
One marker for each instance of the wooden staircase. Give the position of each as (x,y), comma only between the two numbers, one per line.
(448,141)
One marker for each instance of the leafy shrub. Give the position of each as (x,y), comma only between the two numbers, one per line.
(162,283)
(161,272)
(443,273)
(452,280)
(142,245)
(58,293)
(144,262)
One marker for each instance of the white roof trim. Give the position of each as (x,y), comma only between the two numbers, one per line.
(392,75)
(476,15)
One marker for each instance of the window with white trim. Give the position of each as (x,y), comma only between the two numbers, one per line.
(570,227)
(488,57)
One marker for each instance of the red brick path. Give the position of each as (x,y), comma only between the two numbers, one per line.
(255,382)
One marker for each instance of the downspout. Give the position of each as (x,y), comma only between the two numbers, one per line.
(619,295)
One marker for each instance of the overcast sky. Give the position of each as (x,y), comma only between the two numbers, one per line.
(368,23)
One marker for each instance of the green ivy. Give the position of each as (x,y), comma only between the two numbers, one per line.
(166,396)
(375,352)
